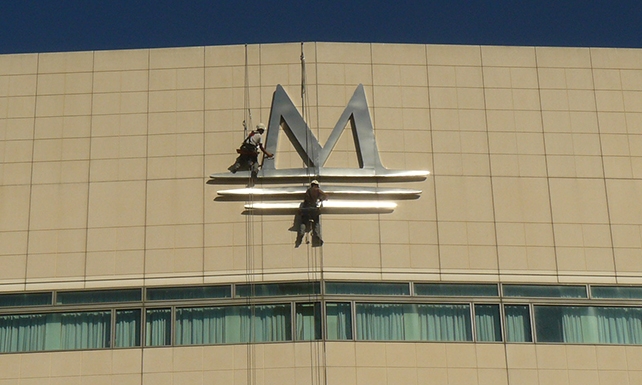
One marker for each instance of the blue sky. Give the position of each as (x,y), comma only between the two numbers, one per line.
(80,25)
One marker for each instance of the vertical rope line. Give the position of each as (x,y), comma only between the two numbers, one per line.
(548,176)
(491,177)
(33,147)
(307,164)
(321,349)
(602,158)
(204,166)
(249,235)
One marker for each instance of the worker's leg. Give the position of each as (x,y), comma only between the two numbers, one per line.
(299,235)
(302,222)
(236,166)
(316,231)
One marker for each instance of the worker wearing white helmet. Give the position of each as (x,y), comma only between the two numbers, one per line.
(249,151)
(309,212)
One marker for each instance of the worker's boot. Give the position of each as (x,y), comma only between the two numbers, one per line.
(299,239)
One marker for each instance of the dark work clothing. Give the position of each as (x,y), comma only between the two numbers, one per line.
(248,158)
(314,195)
(309,215)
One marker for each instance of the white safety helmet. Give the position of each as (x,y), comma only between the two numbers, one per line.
(314,182)
(260,127)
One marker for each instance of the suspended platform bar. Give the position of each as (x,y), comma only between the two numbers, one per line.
(323,175)
(336,192)
(327,207)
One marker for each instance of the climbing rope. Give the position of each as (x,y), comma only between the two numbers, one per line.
(249,237)
(314,254)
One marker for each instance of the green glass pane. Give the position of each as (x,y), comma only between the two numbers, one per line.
(233,324)
(308,321)
(158,326)
(545,291)
(456,290)
(128,328)
(589,324)
(487,323)
(624,292)
(55,331)
(278,289)
(367,288)
(338,321)
(188,292)
(25,299)
(517,323)
(413,322)
(98,296)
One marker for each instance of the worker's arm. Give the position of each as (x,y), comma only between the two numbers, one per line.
(265,151)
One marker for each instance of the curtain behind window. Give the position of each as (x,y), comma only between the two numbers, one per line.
(339,321)
(233,324)
(487,323)
(413,322)
(589,324)
(517,323)
(55,331)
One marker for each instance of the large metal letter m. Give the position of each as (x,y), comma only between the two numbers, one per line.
(284,116)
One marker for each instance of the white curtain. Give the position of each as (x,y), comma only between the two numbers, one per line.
(22,333)
(233,324)
(487,323)
(89,330)
(307,318)
(444,322)
(412,322)
(157,327)
(339,325)
(597,325)
(619,325)
(518,323)
(380,322)
(55,331)
(127,328)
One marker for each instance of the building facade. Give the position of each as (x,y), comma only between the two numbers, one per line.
(519,263)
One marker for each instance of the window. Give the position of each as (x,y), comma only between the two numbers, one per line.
(158,327)
(557,291)
(362,311)
(456,290)
(367,288)
(233,324)
(25,299)
(589,324)
(128,328)
(517,323)
(623,292)
(413,322)
(55,331)
(308,321)
(188,292)
(98,296)
(278,289)
(339,321)
(487,323)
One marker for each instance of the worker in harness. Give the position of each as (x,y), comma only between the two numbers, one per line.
(248,158)
(308,217)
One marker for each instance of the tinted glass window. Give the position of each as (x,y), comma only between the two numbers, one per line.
(624,292)
(553,291)
(27,299)
(456,290)
(189,292)
(98,296)
(367,288)
(278,289)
